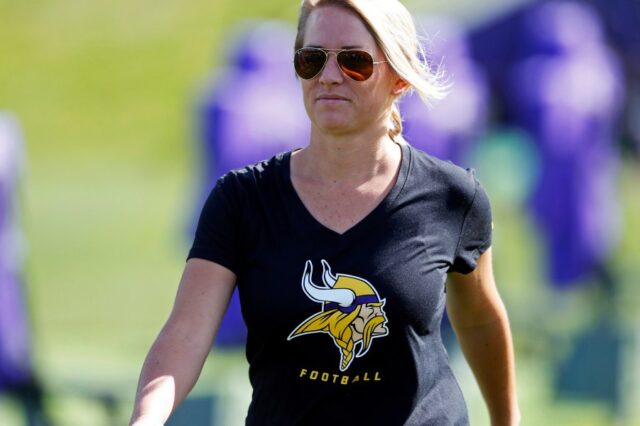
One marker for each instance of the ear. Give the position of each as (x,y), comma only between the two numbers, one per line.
(399,87)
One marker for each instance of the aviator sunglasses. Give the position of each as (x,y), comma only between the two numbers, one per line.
(356,64)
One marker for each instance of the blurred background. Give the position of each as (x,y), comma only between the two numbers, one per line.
(117,117)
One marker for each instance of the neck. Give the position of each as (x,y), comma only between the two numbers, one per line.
(347,158)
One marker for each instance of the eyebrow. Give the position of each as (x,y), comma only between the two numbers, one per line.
(343,47)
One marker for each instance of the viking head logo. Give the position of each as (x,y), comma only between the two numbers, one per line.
(351,313)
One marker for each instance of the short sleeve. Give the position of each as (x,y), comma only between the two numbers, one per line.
(475,234)
(218,234)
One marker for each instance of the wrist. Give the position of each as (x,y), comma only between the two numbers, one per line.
(511,419)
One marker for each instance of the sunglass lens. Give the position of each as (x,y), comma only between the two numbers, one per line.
(309,62)
(356,64)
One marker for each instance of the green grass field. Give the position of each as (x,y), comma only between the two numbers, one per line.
(104,91)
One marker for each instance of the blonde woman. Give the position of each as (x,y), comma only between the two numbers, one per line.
(341,250)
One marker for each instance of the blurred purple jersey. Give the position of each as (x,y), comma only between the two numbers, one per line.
(15,365)
(559,81)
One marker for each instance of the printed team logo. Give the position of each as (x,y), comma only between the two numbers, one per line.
(351,313)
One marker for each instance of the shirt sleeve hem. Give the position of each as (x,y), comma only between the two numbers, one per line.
(221,260)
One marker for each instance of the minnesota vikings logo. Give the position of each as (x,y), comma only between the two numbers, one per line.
(351,312)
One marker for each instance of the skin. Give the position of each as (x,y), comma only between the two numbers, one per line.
(337,105)
(480,322)
(349,165)
(176,358)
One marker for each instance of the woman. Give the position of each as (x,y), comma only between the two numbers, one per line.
(340,251)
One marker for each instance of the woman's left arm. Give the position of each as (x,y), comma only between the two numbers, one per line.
(480,322)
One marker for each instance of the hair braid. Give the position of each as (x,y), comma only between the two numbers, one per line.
(396,123)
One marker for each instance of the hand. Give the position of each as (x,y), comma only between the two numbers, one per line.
(146,422)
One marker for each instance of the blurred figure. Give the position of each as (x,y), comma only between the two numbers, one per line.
(554,76)
(451,128)
(16,375)
(568,94)
(249,111)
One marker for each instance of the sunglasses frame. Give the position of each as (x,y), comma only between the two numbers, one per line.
(337,52)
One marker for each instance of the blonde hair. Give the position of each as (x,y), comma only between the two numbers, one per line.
(338,325)
(394,31)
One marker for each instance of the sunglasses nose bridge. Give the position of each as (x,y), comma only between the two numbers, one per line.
(331,66)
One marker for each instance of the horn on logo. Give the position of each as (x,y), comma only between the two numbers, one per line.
(327,277)
(342,296)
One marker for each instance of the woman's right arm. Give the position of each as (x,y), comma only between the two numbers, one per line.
(176,357)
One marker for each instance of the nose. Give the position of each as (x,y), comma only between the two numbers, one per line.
(331,73)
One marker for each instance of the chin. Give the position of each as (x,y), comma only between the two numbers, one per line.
(380,330)
(335,128)
(334,124)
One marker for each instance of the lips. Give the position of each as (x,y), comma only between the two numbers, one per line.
(331,98)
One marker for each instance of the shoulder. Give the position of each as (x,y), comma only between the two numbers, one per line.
(254,177)
(443,176)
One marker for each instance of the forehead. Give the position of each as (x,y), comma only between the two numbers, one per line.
(334,27)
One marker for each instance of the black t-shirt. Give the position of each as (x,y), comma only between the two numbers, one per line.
(344,329)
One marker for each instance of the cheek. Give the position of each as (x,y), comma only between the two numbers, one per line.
(368,314)
(386,84)
(306,95)
(310,88)
(358,324)
(304,85)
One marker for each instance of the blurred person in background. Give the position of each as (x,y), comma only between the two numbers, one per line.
(541,58)
(567,92)
(557,78)
(359,341)
(16,370)
(575,201)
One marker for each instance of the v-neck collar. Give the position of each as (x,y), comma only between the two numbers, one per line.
(374,215)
